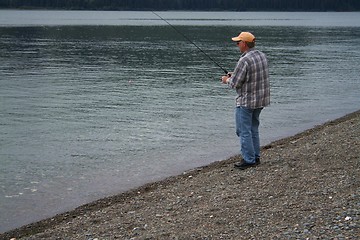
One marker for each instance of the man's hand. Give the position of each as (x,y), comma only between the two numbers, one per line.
(225,79)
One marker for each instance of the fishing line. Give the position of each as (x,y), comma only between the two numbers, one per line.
(184,36)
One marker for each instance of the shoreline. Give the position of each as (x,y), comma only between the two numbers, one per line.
(216,201)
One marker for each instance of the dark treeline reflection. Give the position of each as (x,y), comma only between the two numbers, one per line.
(230,5)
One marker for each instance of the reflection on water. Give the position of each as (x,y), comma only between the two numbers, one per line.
(88,111)
(148,18)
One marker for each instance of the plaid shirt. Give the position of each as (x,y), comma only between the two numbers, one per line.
(251,80)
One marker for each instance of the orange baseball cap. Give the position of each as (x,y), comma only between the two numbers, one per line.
(244,36)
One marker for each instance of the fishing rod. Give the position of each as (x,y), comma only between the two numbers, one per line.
(184,36)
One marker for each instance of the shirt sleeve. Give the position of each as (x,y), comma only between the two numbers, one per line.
(238,77)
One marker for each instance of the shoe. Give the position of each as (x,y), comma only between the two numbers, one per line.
(238,164)
(244,165)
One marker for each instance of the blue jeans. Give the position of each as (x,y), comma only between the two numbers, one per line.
(247,128)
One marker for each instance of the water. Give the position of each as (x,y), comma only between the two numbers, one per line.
(134,18)
(96,103)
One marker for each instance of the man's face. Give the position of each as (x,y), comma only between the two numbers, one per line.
(241,45)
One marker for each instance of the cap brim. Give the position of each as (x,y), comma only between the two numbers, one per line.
(236,39)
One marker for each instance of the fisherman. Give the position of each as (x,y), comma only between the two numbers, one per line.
(250,79)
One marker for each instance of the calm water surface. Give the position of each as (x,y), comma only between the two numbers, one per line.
(95,103)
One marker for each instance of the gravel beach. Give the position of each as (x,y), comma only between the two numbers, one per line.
(306,187)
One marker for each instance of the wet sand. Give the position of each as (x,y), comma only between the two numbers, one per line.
(306,187)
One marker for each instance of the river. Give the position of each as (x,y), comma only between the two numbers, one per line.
(96,103)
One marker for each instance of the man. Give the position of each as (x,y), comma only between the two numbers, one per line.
(250,79)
